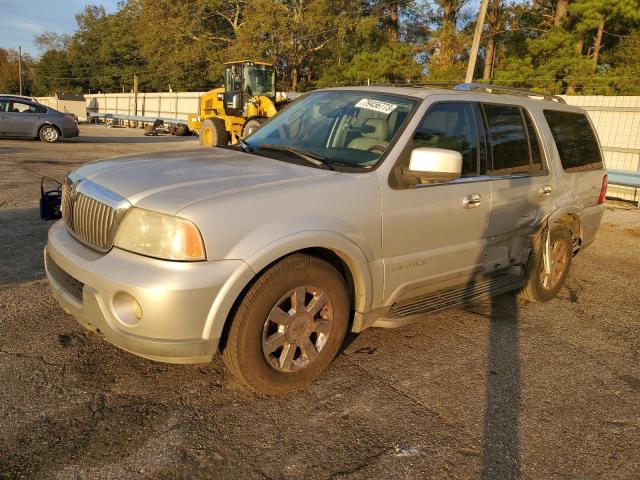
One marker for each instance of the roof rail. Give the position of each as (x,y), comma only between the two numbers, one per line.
(467,87)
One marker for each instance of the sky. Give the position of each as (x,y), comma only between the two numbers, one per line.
(22,20)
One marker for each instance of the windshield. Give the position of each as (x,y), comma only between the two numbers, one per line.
(259,80)
(347,128)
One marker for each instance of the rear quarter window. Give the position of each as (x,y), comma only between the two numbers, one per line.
(576,141)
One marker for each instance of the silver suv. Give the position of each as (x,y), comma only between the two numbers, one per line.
(352,208)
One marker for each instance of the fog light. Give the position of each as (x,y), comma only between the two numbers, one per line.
(126,308)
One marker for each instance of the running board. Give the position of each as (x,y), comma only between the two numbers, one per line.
(406,312)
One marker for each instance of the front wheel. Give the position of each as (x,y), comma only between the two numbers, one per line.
(213,133)
(544,282)
(289,326)
(49,134)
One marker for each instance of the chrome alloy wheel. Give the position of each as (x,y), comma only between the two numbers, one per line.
(558,257)
(49,134)
(297,328)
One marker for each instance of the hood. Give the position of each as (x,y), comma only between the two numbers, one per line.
(169,182)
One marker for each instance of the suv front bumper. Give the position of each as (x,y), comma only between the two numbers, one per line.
(177,318)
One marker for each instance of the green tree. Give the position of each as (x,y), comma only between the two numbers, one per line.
(9,78)
(624,65)
(393,63)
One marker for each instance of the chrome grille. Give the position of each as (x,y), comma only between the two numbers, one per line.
(90,220)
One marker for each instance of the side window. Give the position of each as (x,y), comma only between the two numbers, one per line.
(508,140)
(576,141)
(19,107)
(4,106)
(534,144)
(450,125)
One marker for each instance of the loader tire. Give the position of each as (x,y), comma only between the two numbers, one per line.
(213,133)
(252,125)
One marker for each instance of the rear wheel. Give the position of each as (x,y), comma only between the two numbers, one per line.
(543,284)
(213,133)
(49,134)
(252,125)
(289,326)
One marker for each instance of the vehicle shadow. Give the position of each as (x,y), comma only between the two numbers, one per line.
(511,223)
(22,239)
(501,450)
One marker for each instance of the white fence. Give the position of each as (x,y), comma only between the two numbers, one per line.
(617,120)
(166,104)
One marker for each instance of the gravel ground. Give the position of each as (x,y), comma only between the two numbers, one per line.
(501,389)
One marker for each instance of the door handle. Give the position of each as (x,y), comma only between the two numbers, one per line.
(545,191)
(3,116)
(473,200)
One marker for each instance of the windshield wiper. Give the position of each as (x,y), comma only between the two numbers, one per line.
(309,157)
(244,145)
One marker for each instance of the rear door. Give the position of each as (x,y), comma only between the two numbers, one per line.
(522,184)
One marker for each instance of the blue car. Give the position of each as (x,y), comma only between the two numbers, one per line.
(24,117)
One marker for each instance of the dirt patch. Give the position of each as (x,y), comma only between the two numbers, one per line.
(633,231)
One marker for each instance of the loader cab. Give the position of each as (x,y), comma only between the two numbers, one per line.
(245,80)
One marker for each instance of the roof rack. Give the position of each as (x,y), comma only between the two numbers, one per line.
(467,87)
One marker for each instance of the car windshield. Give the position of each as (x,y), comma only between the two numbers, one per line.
(343,128)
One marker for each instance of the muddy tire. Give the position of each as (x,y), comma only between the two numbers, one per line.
(49,134)
(289,326)
(252,125)
(542,287)
(213,133)
(181,130)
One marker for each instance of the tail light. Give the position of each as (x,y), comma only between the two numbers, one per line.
(603,190)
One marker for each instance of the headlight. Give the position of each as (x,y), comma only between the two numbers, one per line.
(159,235)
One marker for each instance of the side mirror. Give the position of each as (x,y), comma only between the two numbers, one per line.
(434,165)
(237,101)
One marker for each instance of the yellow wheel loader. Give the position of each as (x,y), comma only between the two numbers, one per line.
(247,99)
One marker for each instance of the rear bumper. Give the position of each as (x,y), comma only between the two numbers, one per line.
(70,131)
(589,224)
(177,300)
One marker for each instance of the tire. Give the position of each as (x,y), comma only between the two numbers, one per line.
(213,133)
(181,130)
(252,125)
(541,288)
(302,346)
(49,134)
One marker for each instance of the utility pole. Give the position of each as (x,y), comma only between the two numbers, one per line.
(20,68)
(473,56)
(135,96)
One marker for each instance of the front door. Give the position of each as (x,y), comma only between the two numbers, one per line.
(434,235)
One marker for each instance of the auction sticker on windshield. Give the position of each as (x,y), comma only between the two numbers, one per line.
(376,105)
